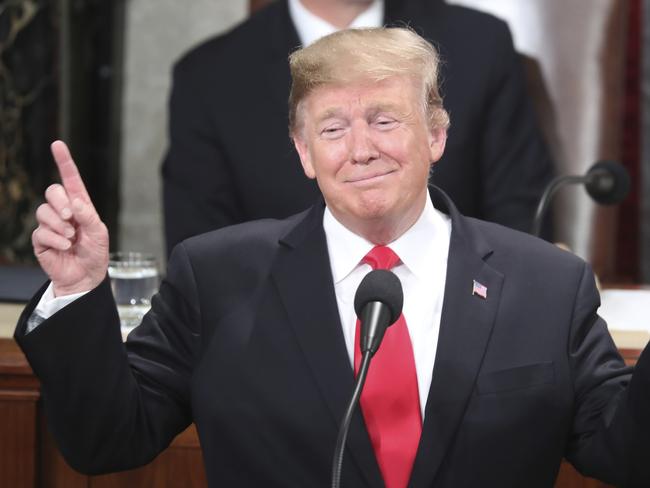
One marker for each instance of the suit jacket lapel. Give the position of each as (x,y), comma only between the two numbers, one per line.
(313,313)
(465,328)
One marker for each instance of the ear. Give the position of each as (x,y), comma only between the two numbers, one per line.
(305,157)
(437,142)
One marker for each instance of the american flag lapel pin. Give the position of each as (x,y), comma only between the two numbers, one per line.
(479,289)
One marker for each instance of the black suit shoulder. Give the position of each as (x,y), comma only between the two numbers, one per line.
(526,255)
(475,42)
(248,246)
(450,24)
(238,48)
(476,20)
(247,234)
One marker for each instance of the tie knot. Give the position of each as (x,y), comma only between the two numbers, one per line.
(381,257)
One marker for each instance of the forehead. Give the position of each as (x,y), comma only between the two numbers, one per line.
(395,93)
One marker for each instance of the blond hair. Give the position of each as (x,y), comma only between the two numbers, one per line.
(366,54)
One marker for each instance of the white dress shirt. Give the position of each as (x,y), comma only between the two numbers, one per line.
(310,27)
(423,251)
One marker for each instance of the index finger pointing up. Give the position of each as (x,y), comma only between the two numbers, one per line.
(70,176)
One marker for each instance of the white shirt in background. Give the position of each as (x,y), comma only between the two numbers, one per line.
(310,27)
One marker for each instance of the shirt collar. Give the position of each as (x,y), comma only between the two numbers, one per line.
(310,27)
(347,249)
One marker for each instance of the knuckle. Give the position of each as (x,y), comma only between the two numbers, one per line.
(91,215)
(94,221)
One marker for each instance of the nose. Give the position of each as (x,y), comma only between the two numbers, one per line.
(362,146)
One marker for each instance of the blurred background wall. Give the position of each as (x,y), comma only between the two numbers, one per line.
(97,74)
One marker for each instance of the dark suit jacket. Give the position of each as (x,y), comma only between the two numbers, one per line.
(244,339)
(230,159)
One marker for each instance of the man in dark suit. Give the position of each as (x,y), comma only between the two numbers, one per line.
(500,361)
(229,160)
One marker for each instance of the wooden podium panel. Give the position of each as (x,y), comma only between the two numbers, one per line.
(18,418)
(568,477)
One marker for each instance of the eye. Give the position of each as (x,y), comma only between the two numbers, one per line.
(386,123)
(332,131)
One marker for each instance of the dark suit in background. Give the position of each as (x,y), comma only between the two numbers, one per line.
(215,174)
(245,339)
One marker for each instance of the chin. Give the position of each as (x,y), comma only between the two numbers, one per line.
(374,209)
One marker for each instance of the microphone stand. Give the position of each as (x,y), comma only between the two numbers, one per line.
(337,463)
(606,182)
(550,190)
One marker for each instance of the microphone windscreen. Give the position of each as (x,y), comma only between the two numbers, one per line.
(608,182)
(383,286)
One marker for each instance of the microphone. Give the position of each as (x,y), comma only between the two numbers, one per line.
(607,182)
(378,304)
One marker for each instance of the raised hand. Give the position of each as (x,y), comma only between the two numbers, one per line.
(71,241)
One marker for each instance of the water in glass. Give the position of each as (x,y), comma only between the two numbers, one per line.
(134,280)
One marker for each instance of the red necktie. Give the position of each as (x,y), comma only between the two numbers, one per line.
(390,401)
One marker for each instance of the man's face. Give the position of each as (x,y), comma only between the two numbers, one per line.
(370,149)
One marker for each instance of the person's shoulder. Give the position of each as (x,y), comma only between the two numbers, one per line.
(243,40)
(461,31)
(458,17)
(515,249)
(259,237)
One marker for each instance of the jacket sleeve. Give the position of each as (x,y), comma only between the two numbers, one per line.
(114,406)
(611,430)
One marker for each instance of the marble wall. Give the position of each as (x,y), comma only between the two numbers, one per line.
(156,33)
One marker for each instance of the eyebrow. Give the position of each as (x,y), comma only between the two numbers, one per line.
(384,107)
(328,114)
(372,110)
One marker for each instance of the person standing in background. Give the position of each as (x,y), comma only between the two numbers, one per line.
(229,160)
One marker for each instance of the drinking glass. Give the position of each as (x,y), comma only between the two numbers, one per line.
(134,280)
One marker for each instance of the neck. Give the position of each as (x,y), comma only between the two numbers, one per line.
(339,13)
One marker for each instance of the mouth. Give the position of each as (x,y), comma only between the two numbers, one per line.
(369,178)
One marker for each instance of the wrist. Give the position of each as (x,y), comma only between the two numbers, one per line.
(82,286)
